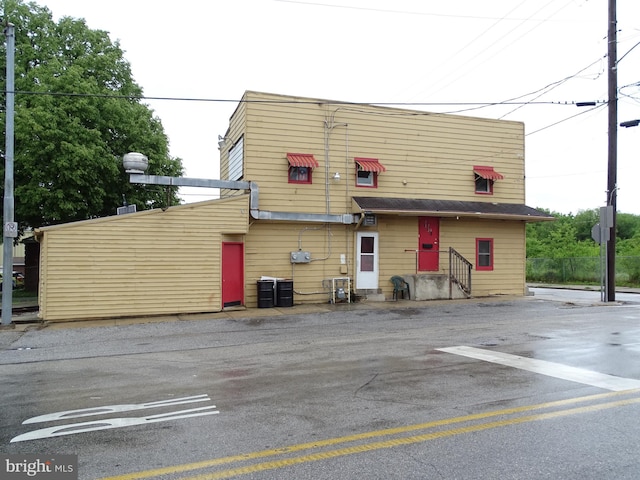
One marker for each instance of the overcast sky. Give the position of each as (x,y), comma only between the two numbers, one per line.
(440,54)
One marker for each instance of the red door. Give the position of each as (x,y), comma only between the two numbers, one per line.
(428,244)
(232,274)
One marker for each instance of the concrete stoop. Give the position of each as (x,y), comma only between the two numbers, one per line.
(371,295)
(376,297)
(432,286)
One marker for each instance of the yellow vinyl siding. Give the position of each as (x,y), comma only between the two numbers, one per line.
(146,263)
(426,155)
(398,240)
(268,247)
(508,274)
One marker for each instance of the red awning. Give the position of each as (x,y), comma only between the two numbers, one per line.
(488,173)
(370,165)
(302,160)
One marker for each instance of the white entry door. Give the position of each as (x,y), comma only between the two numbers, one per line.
(367,260)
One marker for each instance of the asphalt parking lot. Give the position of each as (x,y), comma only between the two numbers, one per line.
(484,388)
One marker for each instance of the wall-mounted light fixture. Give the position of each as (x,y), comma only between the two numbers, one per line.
(222,141)
(336,177)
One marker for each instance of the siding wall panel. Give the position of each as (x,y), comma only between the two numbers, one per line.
(426,155)
(105,267)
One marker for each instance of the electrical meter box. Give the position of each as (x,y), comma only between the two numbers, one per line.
(300,257)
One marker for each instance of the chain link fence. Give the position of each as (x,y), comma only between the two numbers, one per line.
(581,270)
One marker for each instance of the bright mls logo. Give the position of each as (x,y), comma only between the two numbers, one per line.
(51,467)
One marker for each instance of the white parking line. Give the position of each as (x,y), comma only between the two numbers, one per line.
(551,369)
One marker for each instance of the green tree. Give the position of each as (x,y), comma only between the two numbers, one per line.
(627,225)
(584,222)
(77,111)
(570,236)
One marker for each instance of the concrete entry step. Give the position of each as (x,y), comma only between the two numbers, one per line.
(431,286)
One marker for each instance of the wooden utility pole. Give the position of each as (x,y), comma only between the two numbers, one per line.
(610,279)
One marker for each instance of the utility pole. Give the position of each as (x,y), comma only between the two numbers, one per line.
(610,279)
(10,227)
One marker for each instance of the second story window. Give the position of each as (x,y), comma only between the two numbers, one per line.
(367,170)
(299,174)
(236,160)
(485,176)
(301,166)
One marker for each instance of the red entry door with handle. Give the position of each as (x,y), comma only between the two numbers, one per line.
(428,244)
(232,274)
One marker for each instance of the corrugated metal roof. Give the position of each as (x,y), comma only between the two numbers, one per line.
(488,172)
(450,208)
(302,160)
(370,165)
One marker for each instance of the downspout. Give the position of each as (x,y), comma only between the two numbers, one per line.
(327,131)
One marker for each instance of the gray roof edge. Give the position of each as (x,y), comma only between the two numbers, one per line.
(451,207)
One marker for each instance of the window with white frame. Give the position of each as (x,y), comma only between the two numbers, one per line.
(236,160)
(367,170)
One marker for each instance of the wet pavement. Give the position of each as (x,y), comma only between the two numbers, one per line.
(501,387)
(565,293)
(583,294)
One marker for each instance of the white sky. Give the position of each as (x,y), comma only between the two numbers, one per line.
(376,51)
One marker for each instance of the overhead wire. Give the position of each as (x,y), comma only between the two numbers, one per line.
(551,87)
(279,101)
(482,58)
(404,12)
(566,119)
(451,57)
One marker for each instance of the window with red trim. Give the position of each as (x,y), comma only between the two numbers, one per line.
(366,179)
(367,170)
(484,253)
(300,167)
(485,178)
(484,185)
(300,174)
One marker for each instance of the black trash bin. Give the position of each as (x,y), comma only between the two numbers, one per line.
(284,293)
(265,293)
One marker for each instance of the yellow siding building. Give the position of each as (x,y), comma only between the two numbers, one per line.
(417,183)
(334,190)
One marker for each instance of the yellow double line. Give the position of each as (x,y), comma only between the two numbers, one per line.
(287,458)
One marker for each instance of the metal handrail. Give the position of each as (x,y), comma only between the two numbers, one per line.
(459,272)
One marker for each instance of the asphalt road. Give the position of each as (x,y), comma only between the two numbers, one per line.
(529,388)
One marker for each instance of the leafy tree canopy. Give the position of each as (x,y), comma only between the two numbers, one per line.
(77,112)
(570,235)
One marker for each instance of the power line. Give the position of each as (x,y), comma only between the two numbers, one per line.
(481,58)
(566,119)
(282,101)
(407,12)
